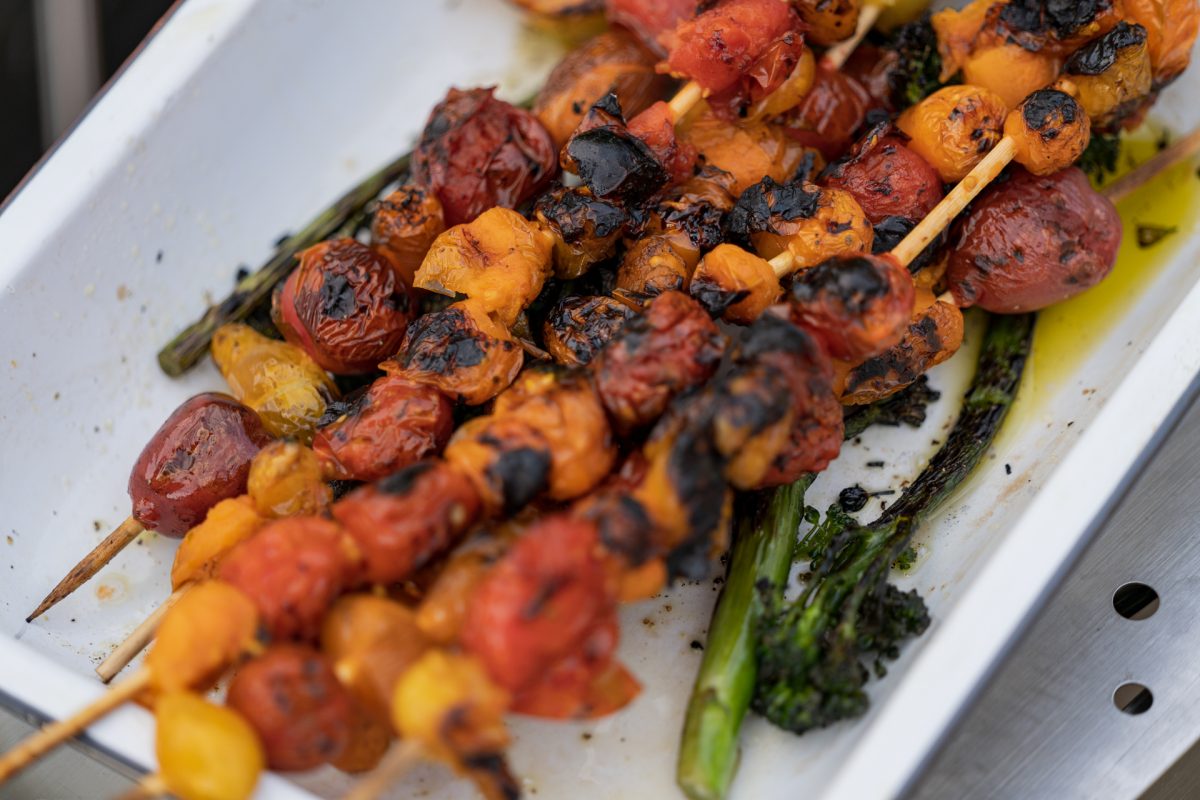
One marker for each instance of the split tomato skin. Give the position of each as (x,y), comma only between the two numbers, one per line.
(345,305)
(477,152)
(200,456)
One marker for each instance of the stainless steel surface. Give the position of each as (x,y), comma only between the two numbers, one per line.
(1047,725)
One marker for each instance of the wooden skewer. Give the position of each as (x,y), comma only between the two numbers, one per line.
(835,57)
(685,99)
(955,201)
(54,733)
(100,555)
(150,786)
(136,641)
(1125,185)
(399,760)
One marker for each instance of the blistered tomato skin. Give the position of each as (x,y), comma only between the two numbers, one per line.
(579,327)
(292,699)
(405,520)
(292,570)
(200,456)
(830,113)
(344,305)
(460,351)
(395,423)
(671,347)
(886,178)
(726,45)
(954,128)
(280,381)
(404,225)
(1050,130)
(477,152)
(1031,241)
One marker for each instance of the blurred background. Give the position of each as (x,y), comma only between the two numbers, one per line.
(56,55)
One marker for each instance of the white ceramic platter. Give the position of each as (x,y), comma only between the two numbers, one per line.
(241,119)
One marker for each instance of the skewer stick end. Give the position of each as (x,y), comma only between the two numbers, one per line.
(90,564)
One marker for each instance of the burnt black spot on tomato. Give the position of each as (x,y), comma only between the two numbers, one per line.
(338,300)
(402,482)
(1098,56)
(521,474)
(761,208)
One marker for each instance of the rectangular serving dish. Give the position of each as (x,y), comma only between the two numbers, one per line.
(235,124)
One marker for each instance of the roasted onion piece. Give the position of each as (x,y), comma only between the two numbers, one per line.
(1031,241)
(477,152)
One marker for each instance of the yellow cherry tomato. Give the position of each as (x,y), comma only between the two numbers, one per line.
(205,752)
(278,380)
(286,480)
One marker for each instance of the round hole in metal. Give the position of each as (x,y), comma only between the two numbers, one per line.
(1135,601)
(1133,698)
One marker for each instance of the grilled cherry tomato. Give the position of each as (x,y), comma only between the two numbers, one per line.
(934,334)
(208,628)
(830,115)
(566,409)
(205,752)
(586,229)
(477,152)
(404,225)
(278,380)
(345,305)
(200,456)
(815,438)
(394,423)
(460,351)
(1031,241)
(500,260)
(857,307)
(954,128)
(1112,75)
(292,699)
(580,326)
(735,285)
(539,602)
(746,150)
(612,61)
(286,481)
(886,178)
(402,522)
(292,570)
(371,641)
(669,348)
(735,46)
(228,523)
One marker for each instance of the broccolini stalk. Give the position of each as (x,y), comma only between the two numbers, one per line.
(854,614)
(762,553)
(812,651)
